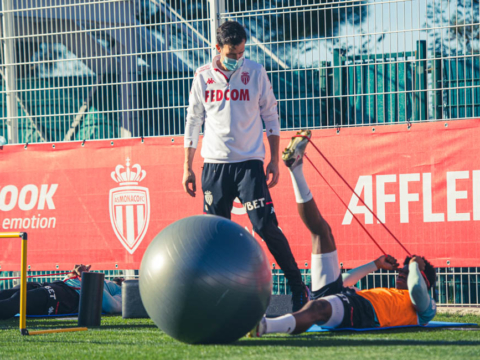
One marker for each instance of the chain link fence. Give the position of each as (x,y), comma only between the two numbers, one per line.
(86,70)
(454,287)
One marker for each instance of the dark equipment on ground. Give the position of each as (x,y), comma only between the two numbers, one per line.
(91,296)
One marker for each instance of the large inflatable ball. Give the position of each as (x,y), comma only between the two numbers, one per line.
(205,279)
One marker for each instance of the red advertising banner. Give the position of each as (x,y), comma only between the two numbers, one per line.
(102,202)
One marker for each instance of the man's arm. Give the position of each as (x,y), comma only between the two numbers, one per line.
(188,174)
(421,299)
(78,269)
(195,119)
(351,277)
(269,114)
(272,167)
(112,298)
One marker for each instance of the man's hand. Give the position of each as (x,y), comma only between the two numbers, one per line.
(272,168)
(189,178)
(419,260)
(386,263)
(79,269)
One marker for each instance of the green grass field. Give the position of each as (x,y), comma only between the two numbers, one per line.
(141,339)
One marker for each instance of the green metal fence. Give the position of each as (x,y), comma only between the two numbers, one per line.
(461,83)
(454,287)
(351,91)
(45,278)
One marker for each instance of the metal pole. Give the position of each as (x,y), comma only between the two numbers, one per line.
(421,106)
(23,287)
(338,61)
(10,71)
(56,331)
(23,281)
(217,8)
(438,84)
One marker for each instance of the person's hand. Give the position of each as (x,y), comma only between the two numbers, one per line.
(419,260)
(189,178)
(386,262)
(80,268)
(274,169)
(118,280)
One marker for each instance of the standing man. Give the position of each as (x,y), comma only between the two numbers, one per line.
(231,96)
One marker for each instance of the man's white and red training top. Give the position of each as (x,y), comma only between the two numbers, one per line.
(232,108)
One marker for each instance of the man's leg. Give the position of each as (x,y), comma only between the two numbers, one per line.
(325,269)
(324,263)
(8,293)
(37,301)
(255,196)
(218,189)
(328,311)
(326,308)
(322,238)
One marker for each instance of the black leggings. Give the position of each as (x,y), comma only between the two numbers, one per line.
(46,299)
(222,183)
(37,299)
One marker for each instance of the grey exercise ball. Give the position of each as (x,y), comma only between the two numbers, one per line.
(205,279)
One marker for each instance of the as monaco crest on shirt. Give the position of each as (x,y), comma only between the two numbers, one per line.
(129,206)
(245,77)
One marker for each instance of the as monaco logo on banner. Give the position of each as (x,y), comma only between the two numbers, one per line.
(129,206)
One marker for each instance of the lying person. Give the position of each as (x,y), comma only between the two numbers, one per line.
(334,304)
(112,290)
(58,297)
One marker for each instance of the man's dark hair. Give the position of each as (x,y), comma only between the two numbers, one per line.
(429,270)
(231,33)
(118,280)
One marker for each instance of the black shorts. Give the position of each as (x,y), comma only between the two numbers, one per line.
(358,312)
(60,298)
(65,299)
(222,183)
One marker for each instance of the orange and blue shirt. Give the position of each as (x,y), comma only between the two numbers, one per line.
(394,307)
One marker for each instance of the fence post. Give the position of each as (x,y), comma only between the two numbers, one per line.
(10,71)
(129,274)
(128,74)
(437,85)
(217,8)
(338,86)
(421,107)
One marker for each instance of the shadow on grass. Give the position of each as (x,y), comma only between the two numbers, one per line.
(136,326)
(9,324)
(315,341)
(327,339)
(49,325)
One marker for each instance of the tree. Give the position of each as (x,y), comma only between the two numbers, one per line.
(453,27)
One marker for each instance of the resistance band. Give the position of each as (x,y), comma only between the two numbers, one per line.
(357,220)
(363,202)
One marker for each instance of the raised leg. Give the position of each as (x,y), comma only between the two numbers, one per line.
(324,262)
(322,238)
